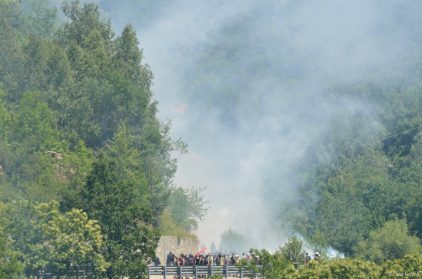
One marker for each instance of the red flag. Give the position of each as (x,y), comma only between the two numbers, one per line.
(201,251)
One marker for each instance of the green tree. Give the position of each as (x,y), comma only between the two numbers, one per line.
(32,134)
(409,177)
(86,102)
(38,18)
(356,197)
(187,207)
(409,266)
(271,265)
(48,240)
(233,242)
(11,44)
(70,95)
(10,267)
(71,242)
(391,241)
(337,268)
(118,196)
(292,250)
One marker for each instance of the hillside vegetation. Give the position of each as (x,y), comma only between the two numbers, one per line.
(86,170)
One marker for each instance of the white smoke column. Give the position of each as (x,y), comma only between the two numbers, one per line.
(248,160)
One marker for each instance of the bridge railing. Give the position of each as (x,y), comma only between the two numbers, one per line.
(199,270)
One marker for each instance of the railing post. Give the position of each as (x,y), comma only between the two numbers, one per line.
(179,270)
(165,271)
(241,272)
(225,271)
(210,270)
(149,272)
(195,272)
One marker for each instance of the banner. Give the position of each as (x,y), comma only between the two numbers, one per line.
(201,251)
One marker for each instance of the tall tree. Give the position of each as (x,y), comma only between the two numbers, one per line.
(391,241)
(187,207)
(118,196)
(51,241)
(233,241)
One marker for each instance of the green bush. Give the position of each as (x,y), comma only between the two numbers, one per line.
(409,266)
(391,241)
(275,266)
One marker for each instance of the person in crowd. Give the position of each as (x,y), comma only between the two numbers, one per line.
(317,256)
(232,260)
(219,259)
(226,260)
(170,259)
(307,258)
(156,261)
(182,260)
(209,260)
(191,260)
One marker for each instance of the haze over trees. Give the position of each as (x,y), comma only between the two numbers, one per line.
(340,139)
(371,188)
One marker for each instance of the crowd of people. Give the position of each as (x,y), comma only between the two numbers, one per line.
(208,259)
(216,259)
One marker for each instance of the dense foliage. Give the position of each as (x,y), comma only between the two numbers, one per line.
(269,83)
(85,165)
(281,265)
(371,188)
(187,207)
(233,241)
(48,240)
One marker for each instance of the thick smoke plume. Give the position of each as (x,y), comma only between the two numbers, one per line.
(251,86)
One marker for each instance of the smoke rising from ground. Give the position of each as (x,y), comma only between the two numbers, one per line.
(250,86)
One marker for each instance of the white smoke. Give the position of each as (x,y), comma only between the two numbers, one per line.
(287,57)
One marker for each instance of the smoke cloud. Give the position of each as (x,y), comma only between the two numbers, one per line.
(251,86)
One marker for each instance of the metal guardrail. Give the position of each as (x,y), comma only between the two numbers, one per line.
(199,270)
(70,274)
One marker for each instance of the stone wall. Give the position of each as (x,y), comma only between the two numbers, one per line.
(177,245)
